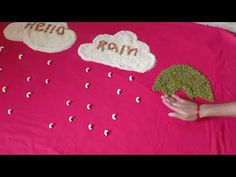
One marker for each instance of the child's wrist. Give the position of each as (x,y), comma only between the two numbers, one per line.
(204,111)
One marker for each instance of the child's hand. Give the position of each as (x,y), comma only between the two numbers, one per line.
(183,109)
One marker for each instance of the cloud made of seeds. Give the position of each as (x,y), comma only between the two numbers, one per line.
(122,50)
(49,37)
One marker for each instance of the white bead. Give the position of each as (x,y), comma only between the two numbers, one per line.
(89,106)
(4,89)
(106,132)
(1,48)
(138,99)
(114,116)
(109,74)
(47,81)
(118,91)
(9,111)
(131,78)
(68,102)
(49,62)
(1,69)
(51,125)
(28,94)
(87,69)
(87,85)
(90,126)
(71,118)
(20,56)
(28,78)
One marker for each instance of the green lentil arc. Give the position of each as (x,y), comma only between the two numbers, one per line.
(186,78)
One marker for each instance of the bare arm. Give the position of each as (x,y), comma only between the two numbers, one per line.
(187,110)
(213,110)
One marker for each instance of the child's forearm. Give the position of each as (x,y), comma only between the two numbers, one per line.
(215,110)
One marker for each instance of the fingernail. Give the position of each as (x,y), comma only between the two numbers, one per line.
(170,114)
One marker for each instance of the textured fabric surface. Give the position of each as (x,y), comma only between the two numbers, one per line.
(230,26)
(139,128)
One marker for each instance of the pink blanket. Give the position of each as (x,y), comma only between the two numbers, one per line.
(140,128)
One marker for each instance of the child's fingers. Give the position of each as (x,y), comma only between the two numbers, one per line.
(172,107)
(176,115)
(177,97)
(170,99)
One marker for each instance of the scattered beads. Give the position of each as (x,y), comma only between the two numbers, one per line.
(71,118)
(138,99)
(90,126)
(1,48)
(87,85)
(28,94)
(4,89)
(49,62)
(87,69)
(118,91)
(9,111)
(114,116)
(106,132)
(47,81)
(20,56)
(68,102)
(51,125)
(131,78)
(28,79)
(89,106)
(109,74)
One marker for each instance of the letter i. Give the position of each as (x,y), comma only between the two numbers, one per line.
(122,49)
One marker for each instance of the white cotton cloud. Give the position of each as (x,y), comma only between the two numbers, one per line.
(122,50)
(47,37)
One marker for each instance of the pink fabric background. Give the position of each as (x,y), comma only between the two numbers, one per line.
(141,128)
